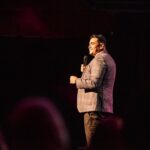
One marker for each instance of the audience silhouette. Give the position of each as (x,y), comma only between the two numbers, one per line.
(36,124)
(3,145)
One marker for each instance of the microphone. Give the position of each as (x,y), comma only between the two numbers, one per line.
(85,60)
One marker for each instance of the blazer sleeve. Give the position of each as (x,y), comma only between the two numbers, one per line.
(97,71)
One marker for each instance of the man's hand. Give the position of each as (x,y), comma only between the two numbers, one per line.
(73,79)
(82,68)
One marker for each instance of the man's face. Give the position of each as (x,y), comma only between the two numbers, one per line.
(93,46)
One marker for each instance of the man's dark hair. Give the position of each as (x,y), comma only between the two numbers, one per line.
(100,38)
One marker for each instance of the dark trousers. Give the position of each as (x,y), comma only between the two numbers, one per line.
(91,122)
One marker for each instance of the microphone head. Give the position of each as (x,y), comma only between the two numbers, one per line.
(85,60)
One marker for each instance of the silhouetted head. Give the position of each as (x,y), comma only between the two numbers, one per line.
(36,124)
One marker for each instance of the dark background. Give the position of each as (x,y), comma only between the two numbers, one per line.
(43,42)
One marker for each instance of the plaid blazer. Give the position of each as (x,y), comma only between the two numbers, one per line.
(95,87)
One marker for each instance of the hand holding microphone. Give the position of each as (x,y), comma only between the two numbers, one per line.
(73,78)
(85,62)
